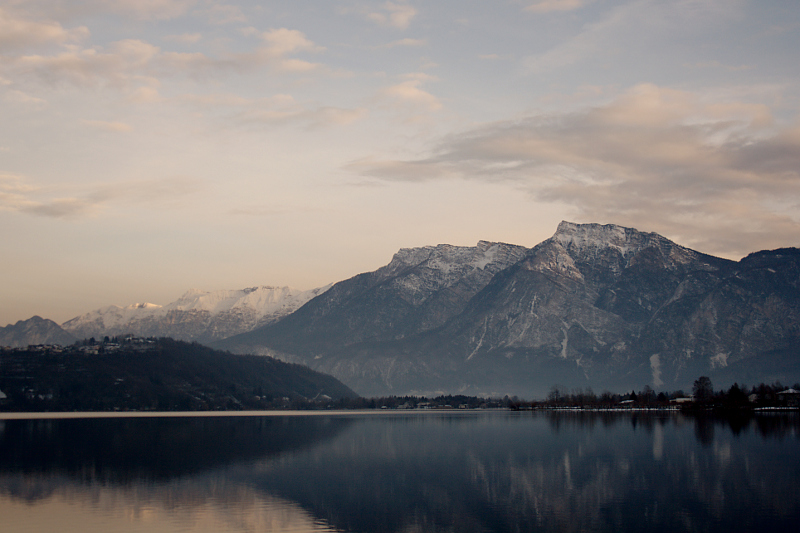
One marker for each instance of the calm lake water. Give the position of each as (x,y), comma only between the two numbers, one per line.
(401,472)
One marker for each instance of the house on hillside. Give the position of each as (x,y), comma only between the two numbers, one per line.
(790,397)
(684,399)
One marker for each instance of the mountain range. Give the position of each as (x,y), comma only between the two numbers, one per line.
(594,306)
(202,316)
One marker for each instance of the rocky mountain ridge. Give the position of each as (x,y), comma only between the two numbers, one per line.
(598,306)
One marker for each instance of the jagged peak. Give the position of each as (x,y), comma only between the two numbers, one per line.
(415,256)
(595,236)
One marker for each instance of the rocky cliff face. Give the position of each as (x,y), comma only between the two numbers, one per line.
(201,316)
(595,306)
(35,330)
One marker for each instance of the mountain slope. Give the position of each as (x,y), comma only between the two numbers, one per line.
(593,306)
(419,290)
(35,330)
(197,315)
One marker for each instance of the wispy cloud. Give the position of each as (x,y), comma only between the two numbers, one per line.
(278,109)
(653,157)
(147,9)
(282,42)
(184,38)
(17,31)
(133,63)
(17,194)
(15,96)
(312,117)
(406,42)
(394,14)
(410,95)
(549,6)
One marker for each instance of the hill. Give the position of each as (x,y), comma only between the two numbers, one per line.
(35,330)
(159,374)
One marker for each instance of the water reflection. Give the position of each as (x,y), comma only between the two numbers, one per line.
(120,449)
(548,471)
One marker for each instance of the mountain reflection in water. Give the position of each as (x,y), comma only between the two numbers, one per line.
(459,471)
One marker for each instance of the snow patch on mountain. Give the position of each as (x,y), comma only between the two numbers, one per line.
(488,252)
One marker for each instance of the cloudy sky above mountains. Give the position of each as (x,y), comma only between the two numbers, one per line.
(151,146)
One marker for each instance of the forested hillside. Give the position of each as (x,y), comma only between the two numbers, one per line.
(161,374)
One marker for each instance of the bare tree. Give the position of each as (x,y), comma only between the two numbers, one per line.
(702,389)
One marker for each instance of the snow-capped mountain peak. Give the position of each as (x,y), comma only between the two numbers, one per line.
(196,315)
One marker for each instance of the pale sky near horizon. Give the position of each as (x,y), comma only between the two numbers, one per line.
(152,146)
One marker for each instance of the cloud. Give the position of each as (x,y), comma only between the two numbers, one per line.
(278,109)
(406,42)
(409,93)
(668,160)
(15,96)
(19,196)
(145,95)
(147,9)
(114,127)
(17,32)
(409,171)
(278,44)
(13,184)
(549,6)
(284,41)
(394,14)
(124,64)
(315,117)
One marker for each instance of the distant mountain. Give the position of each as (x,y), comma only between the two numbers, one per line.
(164,375)
(595,306)
(196,316)
(35,330)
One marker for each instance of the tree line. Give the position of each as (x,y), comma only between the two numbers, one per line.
(702,395)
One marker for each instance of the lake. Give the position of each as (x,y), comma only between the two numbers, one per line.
(401,471)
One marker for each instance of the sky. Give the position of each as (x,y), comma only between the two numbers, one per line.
(148,147)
